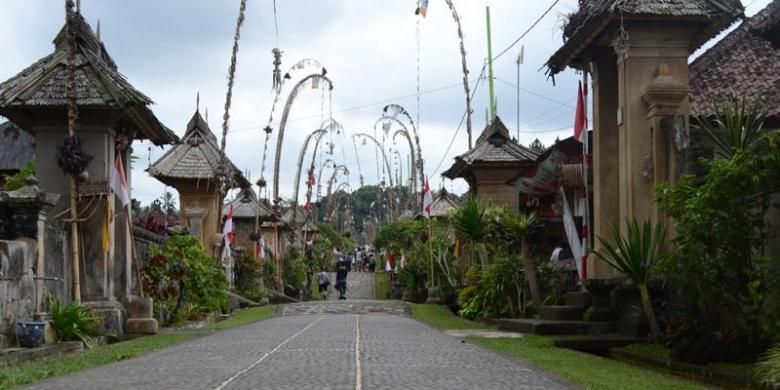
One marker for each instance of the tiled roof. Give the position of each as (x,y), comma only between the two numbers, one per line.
(494,146)
(17,147)
(593,16)
(196,157)
(744,64)
(443,203)
(98,85)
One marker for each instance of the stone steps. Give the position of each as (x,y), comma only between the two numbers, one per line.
(561,313)
(577,298)
(556,327)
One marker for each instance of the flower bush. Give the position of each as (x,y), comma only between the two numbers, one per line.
(184,281)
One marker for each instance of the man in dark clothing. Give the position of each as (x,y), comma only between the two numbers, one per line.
(342,269)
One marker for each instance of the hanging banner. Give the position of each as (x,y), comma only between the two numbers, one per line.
(572,234)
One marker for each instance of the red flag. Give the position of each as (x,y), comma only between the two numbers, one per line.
(230,236)
(580,118)
(427,200)
(119,182)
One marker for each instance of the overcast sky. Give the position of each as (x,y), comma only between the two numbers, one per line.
(173,49)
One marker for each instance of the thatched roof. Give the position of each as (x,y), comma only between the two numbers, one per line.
(196,157)
(17,147)
(744,64)
(593,17)
(250,210)
(99,85)
(494,147)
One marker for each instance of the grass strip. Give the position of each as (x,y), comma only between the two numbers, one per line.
(442,318)
(39,370)
(590,371)
(381,285)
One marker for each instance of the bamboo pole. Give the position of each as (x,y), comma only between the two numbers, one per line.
(72,110)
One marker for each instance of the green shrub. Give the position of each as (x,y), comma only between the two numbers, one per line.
(768,369)
(182,274)
(496,292)
(74,321)
(19,179)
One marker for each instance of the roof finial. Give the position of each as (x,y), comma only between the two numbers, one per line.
(197,102)
(207,116)
(98,31)
(78,6)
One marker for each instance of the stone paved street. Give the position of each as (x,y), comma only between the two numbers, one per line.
(360,285)
(318,351)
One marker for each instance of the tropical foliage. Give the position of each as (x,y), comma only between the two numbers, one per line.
(19,179)
(634,254)
(74,321)
(184,281)
(725,291)
(768,369)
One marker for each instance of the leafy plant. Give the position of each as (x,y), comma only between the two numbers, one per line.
(634,255)
(19,179)
(181,273)
(494,295)
(471,223)
(518,228)
(736,127)
(414,276)
(74,321)
(768,369)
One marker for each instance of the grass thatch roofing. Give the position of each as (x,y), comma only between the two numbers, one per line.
(594,16)
(196,157)
(98,85)
(493,147)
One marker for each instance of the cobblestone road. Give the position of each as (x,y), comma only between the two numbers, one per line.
(330,351)
(360,285)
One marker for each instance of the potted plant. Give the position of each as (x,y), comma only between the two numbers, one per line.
(30,333)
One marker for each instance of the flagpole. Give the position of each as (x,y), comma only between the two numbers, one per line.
(586,213)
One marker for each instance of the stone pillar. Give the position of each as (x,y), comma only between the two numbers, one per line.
(606,195)
(641,148)
(668,126)
(194,216)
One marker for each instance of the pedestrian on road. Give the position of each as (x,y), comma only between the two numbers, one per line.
(342,269)
(324,282)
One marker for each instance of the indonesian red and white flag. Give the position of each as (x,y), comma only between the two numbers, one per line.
(580,117)
(227,231)
(119,182)
(427,200)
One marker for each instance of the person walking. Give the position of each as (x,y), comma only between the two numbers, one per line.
(324,281)
(342,269)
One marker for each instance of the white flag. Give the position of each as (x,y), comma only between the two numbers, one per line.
(119,182)
(572,235)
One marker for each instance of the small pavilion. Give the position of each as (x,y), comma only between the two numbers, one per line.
(111,115)
(191,167)
(249,213)
(490,165)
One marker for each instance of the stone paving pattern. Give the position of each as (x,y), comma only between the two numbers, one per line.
(395,352)
(360,285)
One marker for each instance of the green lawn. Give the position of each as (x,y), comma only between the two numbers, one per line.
(590,371)
(36,371)
(442,318)
(382,285)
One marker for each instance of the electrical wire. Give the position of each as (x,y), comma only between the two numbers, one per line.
(527,31)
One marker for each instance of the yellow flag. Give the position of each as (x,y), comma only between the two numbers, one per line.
(106,241)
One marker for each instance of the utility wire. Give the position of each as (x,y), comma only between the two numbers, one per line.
(462,118)
(527,31)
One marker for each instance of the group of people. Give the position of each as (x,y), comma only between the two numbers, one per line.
(363,259)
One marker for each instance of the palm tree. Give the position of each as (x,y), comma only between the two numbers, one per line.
(634,254)
(518,226)
(735,127)
(472,225)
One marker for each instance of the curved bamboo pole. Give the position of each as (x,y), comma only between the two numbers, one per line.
(413,189)
(336,169)
(387,165)
(283,125)
(297,182)
(419,162)
(334,206)
(465,68)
